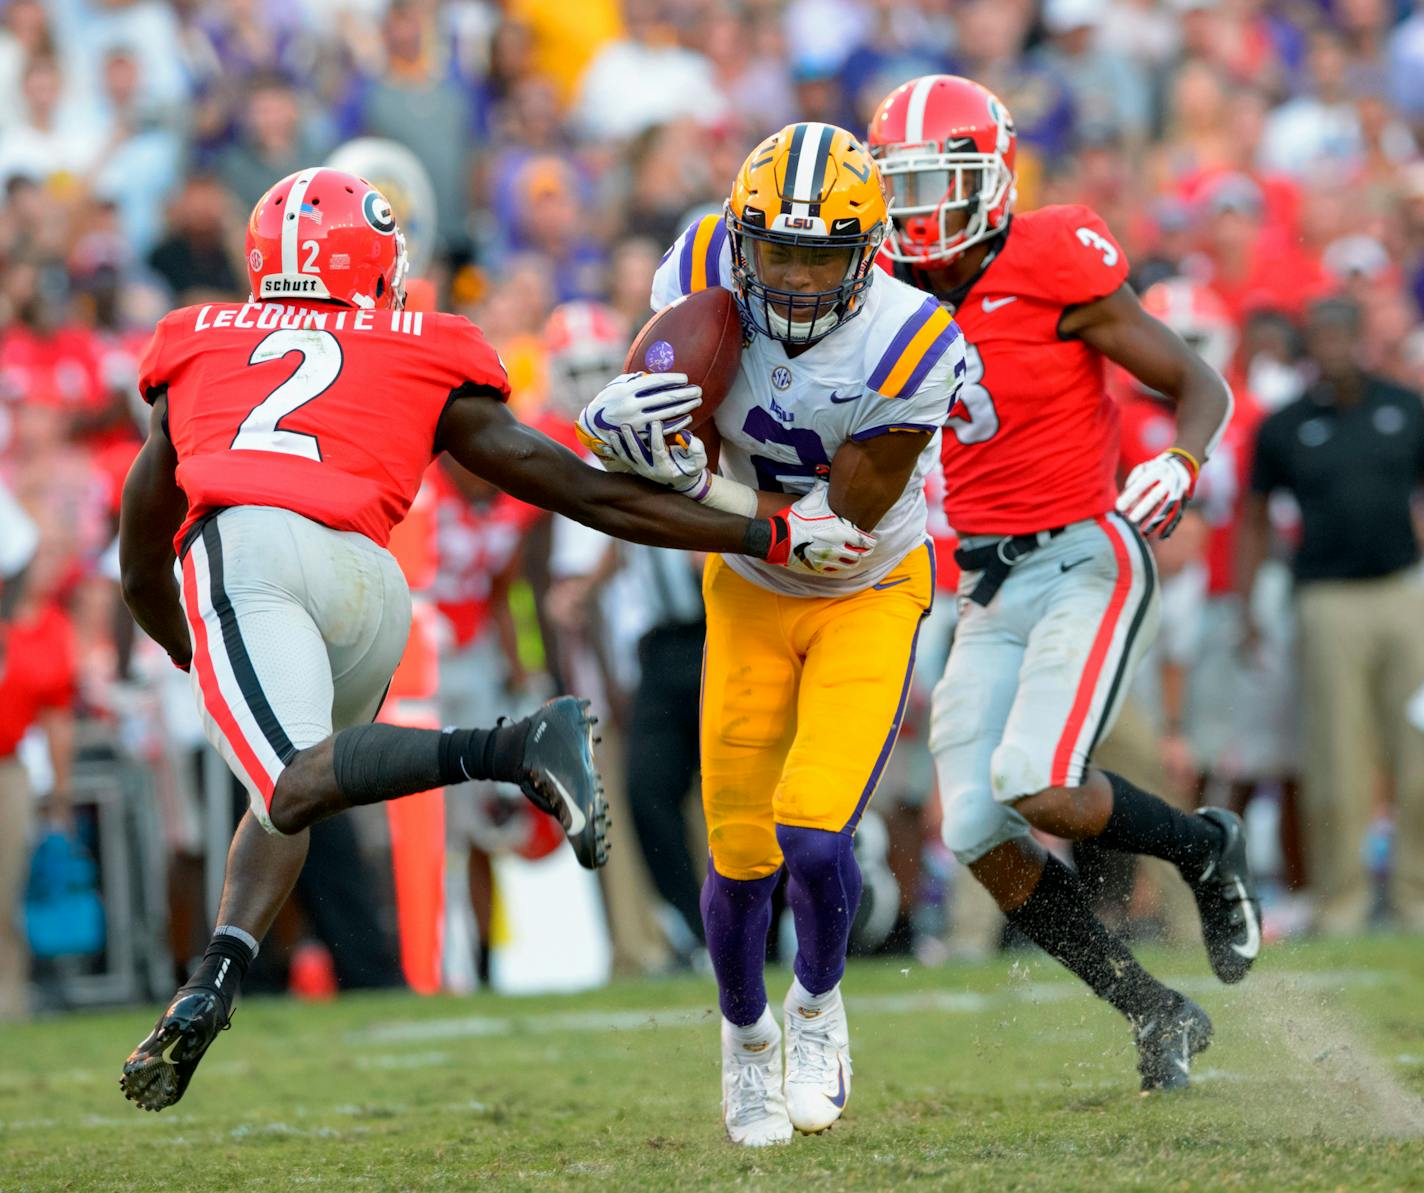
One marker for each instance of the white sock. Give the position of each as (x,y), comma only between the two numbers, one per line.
(806,1001)
(763,1031)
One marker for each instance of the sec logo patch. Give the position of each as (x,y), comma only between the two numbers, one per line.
(781,377)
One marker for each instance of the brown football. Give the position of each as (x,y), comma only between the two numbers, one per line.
(700,335)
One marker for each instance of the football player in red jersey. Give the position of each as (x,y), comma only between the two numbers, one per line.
(1058,593)
(288,434)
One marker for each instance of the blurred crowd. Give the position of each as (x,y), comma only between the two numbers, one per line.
(1264,153)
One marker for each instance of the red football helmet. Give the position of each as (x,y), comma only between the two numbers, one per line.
(944,144)
(1197,315)
(324,234)
(586,343)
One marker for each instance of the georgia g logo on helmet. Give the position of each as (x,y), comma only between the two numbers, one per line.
(805,218)
(378,212)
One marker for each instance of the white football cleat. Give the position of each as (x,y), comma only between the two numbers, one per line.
(817,1062)
(753,1106)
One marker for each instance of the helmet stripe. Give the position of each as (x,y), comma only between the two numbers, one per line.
(291,218)
(818,170)
(915,113)
(811,166)
(793,167)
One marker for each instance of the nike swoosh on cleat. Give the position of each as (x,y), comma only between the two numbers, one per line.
(840,1099)
(577,820)
(167,1053)
(1185,1063)
(1253,929)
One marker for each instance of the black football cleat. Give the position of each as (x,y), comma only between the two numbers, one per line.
(1226,897)
(562,780)
(157,1072)
(1166,1043)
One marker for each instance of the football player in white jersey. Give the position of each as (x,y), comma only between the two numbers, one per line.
(846,377)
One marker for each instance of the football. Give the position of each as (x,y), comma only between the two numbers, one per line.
(700,335)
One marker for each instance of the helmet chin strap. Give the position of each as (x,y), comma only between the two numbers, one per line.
(781,326)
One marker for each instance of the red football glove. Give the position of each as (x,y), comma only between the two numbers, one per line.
(808,536)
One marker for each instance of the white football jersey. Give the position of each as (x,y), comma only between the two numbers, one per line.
(897,365)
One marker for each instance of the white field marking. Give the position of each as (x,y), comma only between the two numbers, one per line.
(404,1060)
(953,1002)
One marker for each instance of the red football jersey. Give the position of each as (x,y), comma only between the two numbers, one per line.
(1033,443)
(329,412)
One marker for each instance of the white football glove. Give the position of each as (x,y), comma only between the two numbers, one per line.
(811,537)
(680,465)
(1157,493)
(629,404)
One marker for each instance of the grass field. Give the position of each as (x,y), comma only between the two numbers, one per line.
(996,1076)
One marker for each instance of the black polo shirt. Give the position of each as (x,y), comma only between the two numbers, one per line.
(1353,471)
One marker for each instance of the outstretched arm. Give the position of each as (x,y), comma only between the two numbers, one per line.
(481,433)
(1121,329)
(153,509)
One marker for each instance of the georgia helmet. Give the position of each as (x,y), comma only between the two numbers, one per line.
(325,234)
(584,343)
(1196,314)
(945,146)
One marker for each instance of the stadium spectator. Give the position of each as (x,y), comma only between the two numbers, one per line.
(274,142)
(1351,451)
(196,256)
(142,156)
(37,684)
(1319,128)
(51,140)
(424,98)
(1109,90)
(645,78)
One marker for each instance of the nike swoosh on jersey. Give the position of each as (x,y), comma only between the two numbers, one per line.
(890,583)
(837,400)
(576,817)
(991,305)
(1068,567)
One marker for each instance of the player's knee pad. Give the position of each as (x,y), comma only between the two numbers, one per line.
(744,851)
(1015,771)
(975,822)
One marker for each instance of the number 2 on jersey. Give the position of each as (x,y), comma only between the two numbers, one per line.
(320,366)
(981,420)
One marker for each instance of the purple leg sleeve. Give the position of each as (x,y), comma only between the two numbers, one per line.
(823,891)
(737,917)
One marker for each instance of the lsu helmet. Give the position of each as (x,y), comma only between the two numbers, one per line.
(325,234)
(944,144)
(1197,315)
(585,343)
(810,190)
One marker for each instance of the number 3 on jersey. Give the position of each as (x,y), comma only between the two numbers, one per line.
(979,420)
(320,366)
